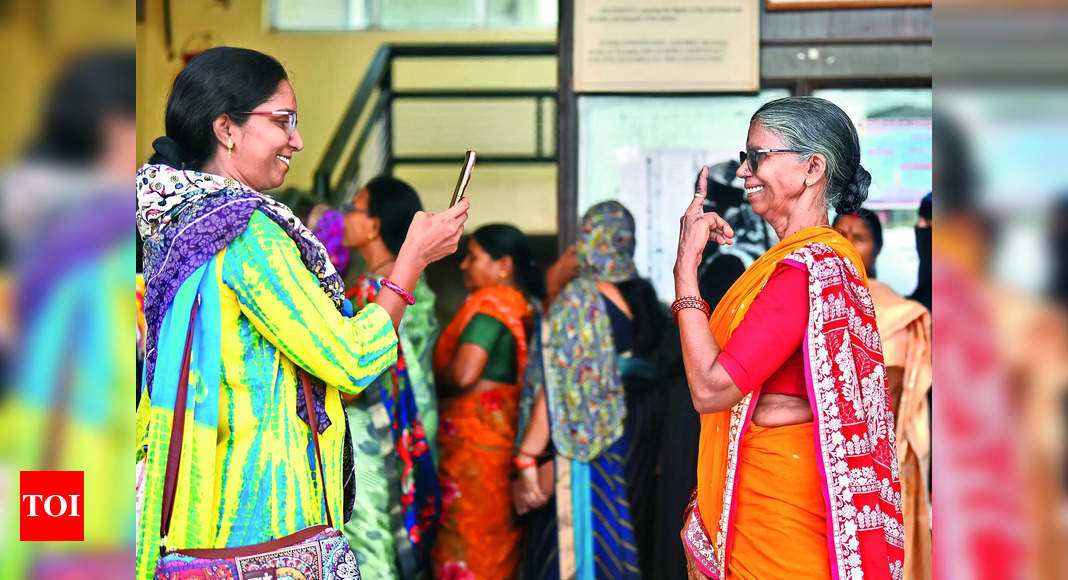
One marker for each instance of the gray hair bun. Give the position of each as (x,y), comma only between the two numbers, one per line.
(854,193)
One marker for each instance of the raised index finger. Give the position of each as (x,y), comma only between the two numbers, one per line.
(699,194)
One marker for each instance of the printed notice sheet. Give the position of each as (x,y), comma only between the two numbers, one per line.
(686,46)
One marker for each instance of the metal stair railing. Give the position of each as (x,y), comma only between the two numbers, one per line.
(379,77)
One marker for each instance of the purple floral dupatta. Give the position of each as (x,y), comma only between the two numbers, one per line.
(186,217)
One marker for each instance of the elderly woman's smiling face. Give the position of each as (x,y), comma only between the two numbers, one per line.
(263,146)
(780,176)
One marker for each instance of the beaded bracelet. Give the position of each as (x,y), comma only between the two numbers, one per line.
(398,290)
(689,302)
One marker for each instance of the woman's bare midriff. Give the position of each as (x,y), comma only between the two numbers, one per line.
(777,410)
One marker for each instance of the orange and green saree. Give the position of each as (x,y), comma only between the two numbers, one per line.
(479,537)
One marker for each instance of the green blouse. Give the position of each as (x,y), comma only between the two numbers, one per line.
(495,338)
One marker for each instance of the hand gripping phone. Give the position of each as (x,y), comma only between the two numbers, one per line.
(465,177)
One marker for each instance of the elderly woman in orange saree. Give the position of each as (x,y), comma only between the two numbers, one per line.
(797,470)
(479,363)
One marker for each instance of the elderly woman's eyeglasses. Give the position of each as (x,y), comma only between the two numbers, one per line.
(752,156)
(291,118)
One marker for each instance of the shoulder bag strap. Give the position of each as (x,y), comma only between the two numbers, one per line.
(174,451)
(313,422)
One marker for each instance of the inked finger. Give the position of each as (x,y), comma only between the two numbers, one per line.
(701,192)
(702,183)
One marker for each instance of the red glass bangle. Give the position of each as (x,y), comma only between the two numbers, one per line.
(398,290)
(524,464)
(689,302)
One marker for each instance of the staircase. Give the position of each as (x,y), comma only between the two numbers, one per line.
(370,118)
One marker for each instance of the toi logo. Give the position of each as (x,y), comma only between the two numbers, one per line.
(51,506)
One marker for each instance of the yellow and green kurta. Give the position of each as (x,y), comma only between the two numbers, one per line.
(247,471)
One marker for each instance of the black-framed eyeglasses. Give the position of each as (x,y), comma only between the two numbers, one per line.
(291,118)
(752,156)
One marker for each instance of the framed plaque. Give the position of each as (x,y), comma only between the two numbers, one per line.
(772,5)
(665,46)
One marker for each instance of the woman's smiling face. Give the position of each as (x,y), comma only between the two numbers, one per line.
(263,146)
(779,179)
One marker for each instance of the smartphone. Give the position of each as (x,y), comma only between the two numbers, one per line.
(465,177)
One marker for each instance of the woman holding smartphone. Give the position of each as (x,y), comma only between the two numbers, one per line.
(271,307)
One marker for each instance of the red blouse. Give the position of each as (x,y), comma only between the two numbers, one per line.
(765,350)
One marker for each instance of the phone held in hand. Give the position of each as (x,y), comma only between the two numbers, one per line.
(465,177)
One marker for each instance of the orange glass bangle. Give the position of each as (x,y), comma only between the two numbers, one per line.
(524,464)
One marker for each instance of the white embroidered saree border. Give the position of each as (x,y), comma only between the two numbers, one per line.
(837,338)
(696,542)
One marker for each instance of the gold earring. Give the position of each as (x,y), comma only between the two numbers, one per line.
(809,182)
(229,148)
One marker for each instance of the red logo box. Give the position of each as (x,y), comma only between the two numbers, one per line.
(51,506)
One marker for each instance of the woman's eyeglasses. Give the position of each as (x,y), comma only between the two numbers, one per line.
(350,207)
(752,156)
(291,123)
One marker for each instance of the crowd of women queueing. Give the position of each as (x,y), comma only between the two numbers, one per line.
(561,424)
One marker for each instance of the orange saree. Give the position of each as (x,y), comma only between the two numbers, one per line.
(850,465)
(781,522)
(479,537)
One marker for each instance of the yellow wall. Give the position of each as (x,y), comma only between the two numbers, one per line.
(36,41)
(325,69)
